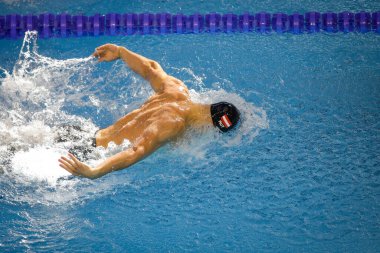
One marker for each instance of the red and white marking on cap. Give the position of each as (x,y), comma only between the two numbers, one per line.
(226,121)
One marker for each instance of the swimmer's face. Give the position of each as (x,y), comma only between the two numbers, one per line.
(225,116)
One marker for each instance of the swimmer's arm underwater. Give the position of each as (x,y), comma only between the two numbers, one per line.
(119,161)
(147,68)
(150,141)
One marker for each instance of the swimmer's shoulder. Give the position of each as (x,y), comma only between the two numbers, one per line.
(176,87)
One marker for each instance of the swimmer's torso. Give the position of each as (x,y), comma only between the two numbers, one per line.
(161,109)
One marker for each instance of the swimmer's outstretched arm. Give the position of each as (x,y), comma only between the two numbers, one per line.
(151,140)
(119,161)
(147,68)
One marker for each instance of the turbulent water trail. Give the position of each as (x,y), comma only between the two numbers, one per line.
(41,94)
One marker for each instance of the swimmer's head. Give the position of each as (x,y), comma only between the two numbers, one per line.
(225,116)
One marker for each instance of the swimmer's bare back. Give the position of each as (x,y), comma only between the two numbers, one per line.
(163,117)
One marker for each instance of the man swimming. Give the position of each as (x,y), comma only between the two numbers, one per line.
(163,117)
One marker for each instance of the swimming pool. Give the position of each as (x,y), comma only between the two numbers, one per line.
(302,174)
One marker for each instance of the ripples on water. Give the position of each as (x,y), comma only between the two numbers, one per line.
(41,199)
(38,96)
(309,181)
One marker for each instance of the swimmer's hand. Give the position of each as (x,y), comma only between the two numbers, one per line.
(107,52)
(76,167)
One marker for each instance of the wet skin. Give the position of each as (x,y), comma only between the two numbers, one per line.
(163,117)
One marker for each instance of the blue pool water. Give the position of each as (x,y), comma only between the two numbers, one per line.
(301,175)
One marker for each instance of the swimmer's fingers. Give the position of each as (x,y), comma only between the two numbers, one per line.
(99,53)
(68,169)
(77,162)
(105,46)
(70,162)
(82,168)
(64,163)
(102,47)
(102,57)
(107,52)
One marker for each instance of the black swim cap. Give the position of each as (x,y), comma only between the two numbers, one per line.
(225,116)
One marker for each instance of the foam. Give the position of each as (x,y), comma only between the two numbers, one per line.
(39,164)
(34,99)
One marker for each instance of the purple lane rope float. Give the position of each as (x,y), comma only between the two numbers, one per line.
(65,25)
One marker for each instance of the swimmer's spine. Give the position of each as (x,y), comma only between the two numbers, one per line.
(65,25)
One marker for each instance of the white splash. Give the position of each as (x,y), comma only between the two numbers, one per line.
(33,98)
(31,102)
(39,164)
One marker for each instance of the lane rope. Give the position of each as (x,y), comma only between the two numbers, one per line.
(49,25)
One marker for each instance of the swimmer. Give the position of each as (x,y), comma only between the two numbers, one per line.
(162,118)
